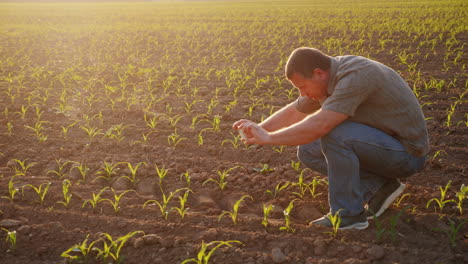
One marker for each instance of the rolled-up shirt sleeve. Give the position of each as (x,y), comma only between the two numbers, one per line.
(348,95)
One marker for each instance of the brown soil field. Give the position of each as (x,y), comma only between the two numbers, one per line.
(413,233)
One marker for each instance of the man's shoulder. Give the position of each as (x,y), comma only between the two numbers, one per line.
(359,68)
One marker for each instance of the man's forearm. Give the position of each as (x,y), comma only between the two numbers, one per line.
(282,118)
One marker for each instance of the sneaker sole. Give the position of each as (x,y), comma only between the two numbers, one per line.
(358,226)
(388,201)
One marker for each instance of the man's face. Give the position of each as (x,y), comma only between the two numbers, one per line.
(314,88)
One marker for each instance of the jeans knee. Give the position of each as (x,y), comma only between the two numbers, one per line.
(311,156)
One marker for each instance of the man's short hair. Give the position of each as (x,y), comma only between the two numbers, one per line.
(305,60)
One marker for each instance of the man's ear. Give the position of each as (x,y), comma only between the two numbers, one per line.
(319,74)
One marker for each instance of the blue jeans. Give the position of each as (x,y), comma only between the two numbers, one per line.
(358,160)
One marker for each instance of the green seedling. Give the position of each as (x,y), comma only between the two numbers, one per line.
(454,230)
(186,177)
(174,120)
(335,220)
(96,198)
(10,238)
(182,210)
(145,137)
(10,128)
(266,213)
(41,190)
(23,167)
(222,182)
(174,139)
(203,256)
(151,122)
(212,105)
(188,106)
(235,141)
(235,209)
(92,132)
(400,199)
(161,172)
(82,168)
(112,248)
(116,202)
(165,202)
(461,195)
(67,195)
(38,130)
(302,185)
(287,218)
(83,249)
(23,111)
(394,222)
(379,229)
(66,128)
(215,123)
(108,170)
(279,187)
(116,131)
(278,149)
(313,186)
(296,165)
(264,169)
(60,170)
(133,170)
(200,136)
(441,202)
(12,190)
(195,120)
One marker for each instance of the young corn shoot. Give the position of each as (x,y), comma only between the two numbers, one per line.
(108,170)
(165,202)
(10,238)
(187,178)
(235,209)
(287,218)
(23,167)
(461,195)
(161,172)
(67,195)
(95,199)
(66,128)
(400,199)
(335,220)
(235,141)
(222,182)
(279,187)
(116,202)
(454,230)
(174,139)
(112,248)
(182,210)
(441,202)
(40,190)
(82,169)
(84,249)
(60,168)
(313,186)
(203,256)
(393,223)
(266,213)
(12,190)
(133,171)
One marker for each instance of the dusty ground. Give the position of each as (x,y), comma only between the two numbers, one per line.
(44,231)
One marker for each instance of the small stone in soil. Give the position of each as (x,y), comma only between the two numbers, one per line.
(277,255)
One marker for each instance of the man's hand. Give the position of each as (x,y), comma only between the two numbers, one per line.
(254,133)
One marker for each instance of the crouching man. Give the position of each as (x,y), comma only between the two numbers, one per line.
(356,121)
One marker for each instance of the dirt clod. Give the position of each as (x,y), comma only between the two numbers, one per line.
(375,252)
